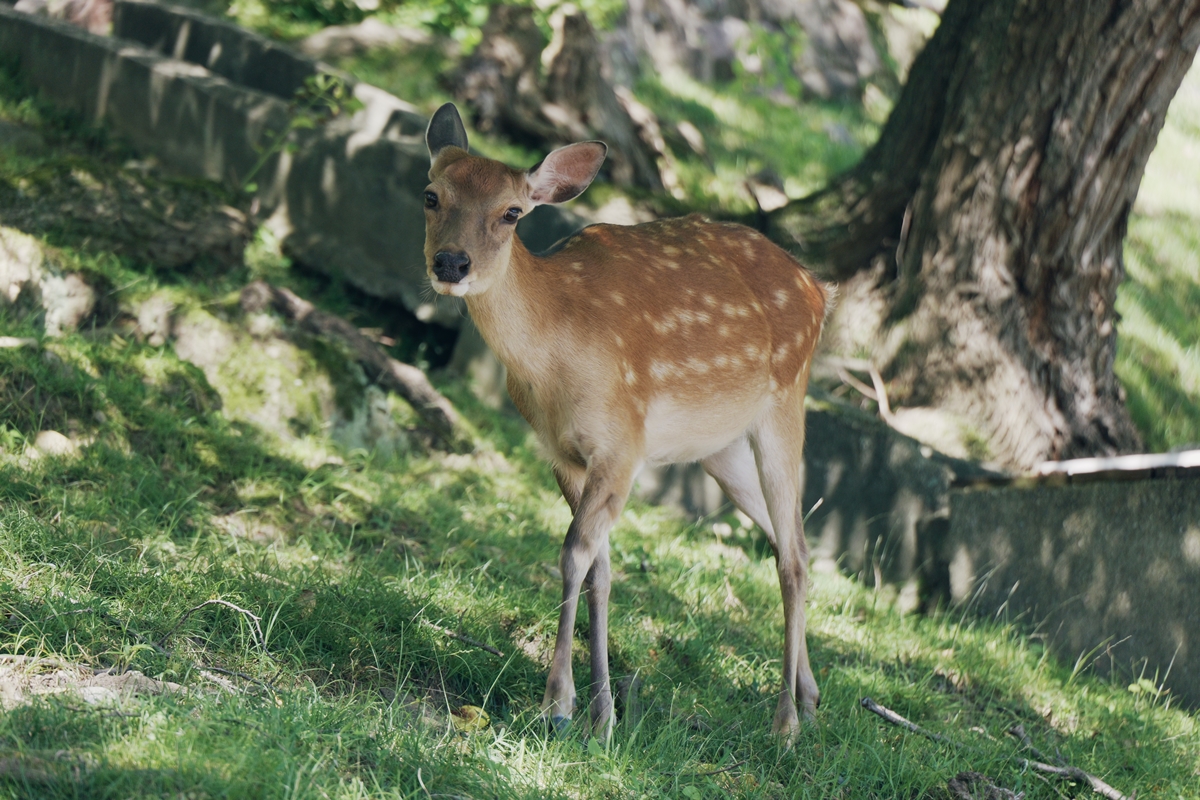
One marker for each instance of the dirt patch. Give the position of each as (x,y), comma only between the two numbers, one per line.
(23,678)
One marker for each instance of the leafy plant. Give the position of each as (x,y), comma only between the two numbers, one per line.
(323,97)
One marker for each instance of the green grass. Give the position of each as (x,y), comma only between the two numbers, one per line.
(351,566)
(1158,346)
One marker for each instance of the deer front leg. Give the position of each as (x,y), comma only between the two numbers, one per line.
(585,556)
(598,583)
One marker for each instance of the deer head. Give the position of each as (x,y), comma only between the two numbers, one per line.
(472,205)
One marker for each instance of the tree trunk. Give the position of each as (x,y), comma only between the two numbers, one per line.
(980,239)
(503,86)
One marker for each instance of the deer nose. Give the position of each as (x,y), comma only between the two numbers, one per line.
(450,267)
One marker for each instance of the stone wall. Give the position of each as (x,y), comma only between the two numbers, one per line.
(192,120)
(1109,568)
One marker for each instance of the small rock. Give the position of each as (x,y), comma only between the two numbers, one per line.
(68,300)
(154,319)
(21,260)
(53,443)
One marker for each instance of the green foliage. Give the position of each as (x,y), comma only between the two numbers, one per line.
(321,98)
(745,131)
(776,51)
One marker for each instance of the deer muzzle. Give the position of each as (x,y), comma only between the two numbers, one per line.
(451,267)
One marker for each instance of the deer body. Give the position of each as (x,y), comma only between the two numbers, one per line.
(672,341)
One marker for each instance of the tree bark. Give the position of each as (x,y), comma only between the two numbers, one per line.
(980,239)
(503,86)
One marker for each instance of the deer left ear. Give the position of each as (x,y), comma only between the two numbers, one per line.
(566,173)
(445,130)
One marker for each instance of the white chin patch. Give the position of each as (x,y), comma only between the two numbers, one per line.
(452,289)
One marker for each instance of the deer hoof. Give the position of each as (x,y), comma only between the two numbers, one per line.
(560,726)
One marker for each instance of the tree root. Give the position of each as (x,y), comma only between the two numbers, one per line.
(438,414)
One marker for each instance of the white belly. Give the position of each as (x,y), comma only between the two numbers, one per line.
(678,433)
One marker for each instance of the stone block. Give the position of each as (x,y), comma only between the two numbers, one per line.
(193,121)
(1107,569)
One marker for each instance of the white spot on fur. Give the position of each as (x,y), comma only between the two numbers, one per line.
(781,297)
(618,298)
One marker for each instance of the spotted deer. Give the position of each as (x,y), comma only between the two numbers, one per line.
(672,341)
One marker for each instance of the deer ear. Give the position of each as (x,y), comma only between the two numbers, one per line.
(566,172)
(445,130)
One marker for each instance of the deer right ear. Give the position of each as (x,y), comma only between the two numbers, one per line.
(445,130)
(566,172)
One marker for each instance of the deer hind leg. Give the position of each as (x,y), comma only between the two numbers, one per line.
(778,441)
(736,472)
(584,558)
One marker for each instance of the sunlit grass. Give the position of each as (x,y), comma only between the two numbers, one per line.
(1158,346)
(357,568)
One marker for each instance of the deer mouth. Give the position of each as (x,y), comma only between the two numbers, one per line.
(458,289)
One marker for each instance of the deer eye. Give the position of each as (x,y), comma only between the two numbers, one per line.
(431,200)
(512,215)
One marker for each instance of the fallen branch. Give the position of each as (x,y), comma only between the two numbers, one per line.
(1066,770)
(1069,772)
(438,414)
(464,638)
(254,620)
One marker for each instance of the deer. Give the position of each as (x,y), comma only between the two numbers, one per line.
(678,340)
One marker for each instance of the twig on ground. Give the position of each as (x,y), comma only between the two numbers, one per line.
(435,410)
(464,638)
(260,640)
(1072,773)
(895,719)
(1066,770)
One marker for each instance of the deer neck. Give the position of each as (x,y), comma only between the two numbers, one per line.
(514,316)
